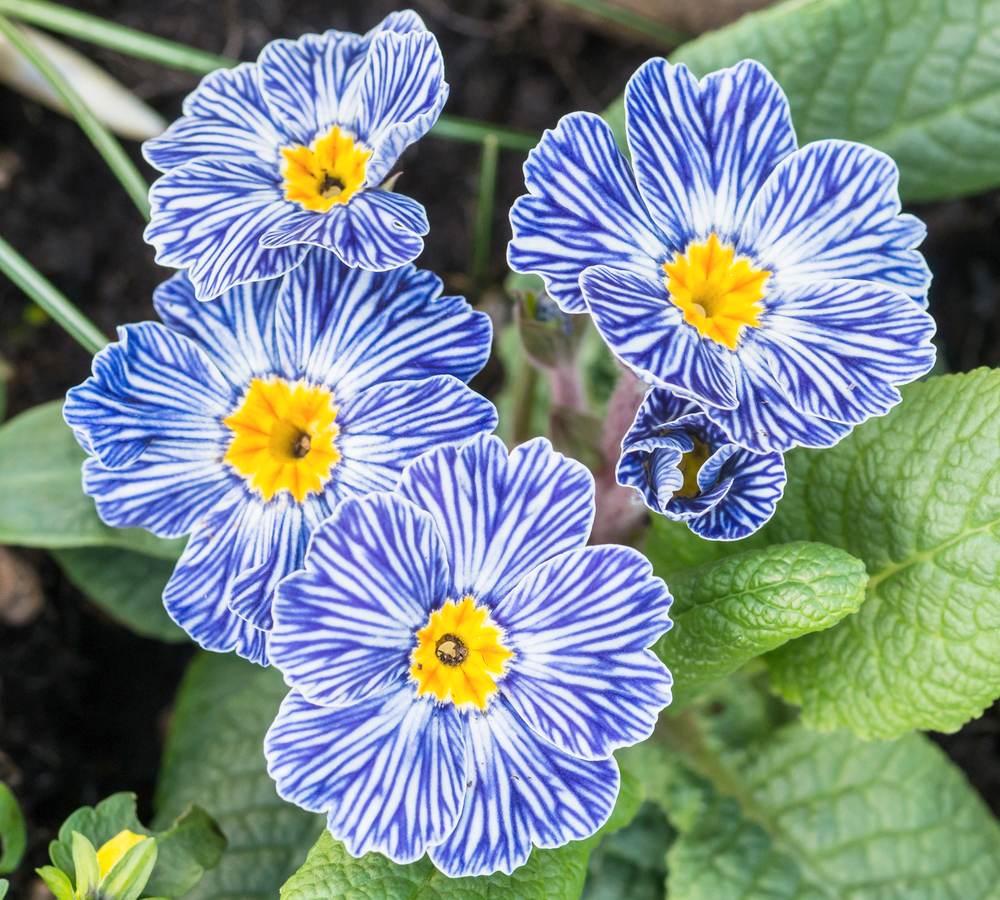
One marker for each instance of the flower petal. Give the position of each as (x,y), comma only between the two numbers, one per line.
(236,331)
(758,481)
(646,332)
(582,209)
(523,792)
(208,217)
(831,211)
(701,150)
(579,626)
(351,329)
(839,348)
(501,516)
(344,625)
(400,96)
(389,771)
(386,427)
(225,116)
(377,230)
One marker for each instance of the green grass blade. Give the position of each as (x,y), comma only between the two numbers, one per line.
(109,148)
(657,32)
(44,293)
(486,196)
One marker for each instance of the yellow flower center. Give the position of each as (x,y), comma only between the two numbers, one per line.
(284,437)
(718,292)
(329,171)
(459,654)
(690,465)
(112,851)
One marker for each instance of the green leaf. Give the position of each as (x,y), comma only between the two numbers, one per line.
(13,834)
(129,875)
(631,864)
(916,495)
(4,887)
(42,503)
(128,586)
(329,871)
(673,548)
(919,79)
(87,873)
(728,612)
(808,816)
(214,757)
(56,881)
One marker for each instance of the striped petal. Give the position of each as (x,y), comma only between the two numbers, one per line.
(208,217)
(400,96)
(151,387)
(499,515)
(702,150)
(389,771)
(839,348)
(831,211)
(582,209)
(376,230)
(352,329)
(647,332)
(522,792)
(579,626)
(236,331)
(758,481)
(345,624)
(224,117)
(195,597)
(386,427)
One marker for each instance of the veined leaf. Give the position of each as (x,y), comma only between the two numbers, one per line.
(13,833)
(919,79)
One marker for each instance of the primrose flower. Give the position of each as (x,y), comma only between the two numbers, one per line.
(686,468)
(289,152)
(779,287)
(462,665)
(119,870)
(243,422)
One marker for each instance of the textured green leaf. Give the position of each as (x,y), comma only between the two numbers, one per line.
(329,871)
(128,586)
(673,548)
(730,611)
(631,864)
(825,816)
(42,503)
(919,79)
(214,757)
(13,834)
(916,495)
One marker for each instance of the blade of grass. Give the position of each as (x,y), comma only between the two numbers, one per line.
(95,30)
(482,238)
(658,33)
(109,148)
(45,294)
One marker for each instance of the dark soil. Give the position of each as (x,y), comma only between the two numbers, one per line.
(82,701)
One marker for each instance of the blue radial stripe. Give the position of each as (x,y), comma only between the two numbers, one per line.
(152,386)
(831,211)
(701,150)
(582,209)
(389,771)
(225,116)
(646,331)
(376,230)
(522,791)
(400,95)
(501,516)
(208,217)
(195,597)
(386,427)
(579,626)
(236,331)
(352,329)
(758,481)
(838,348)
(345,625)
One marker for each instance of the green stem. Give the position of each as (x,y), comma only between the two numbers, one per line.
(657,32)
(44,293)
(135,43)
(116,158)
(482,238)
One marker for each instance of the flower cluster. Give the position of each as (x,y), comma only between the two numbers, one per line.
(776,288)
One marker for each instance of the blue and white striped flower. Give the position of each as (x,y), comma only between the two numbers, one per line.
(289,152)
(245,421)
(778,287)
(687,469)
(462,666)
